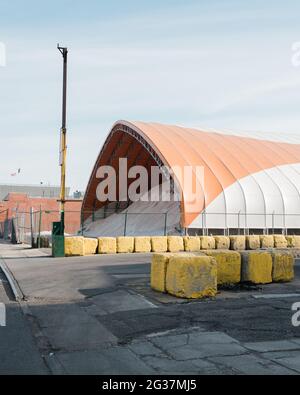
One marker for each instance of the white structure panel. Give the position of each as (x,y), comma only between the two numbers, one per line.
(270,198)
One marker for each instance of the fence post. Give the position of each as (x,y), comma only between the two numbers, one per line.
(81,222)
(266,221)
(16,227)
(125,225)
(273,222)
(40,226)
(166,223)
(31,227)
(6,227)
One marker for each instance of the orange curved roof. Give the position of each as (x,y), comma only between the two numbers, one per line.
(225,158)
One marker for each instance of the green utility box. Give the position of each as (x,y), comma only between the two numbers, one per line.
(58,240)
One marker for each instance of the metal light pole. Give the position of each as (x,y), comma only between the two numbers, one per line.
(63,138)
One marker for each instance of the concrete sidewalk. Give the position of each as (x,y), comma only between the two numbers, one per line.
(98,315)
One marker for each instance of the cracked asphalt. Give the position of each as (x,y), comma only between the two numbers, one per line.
(98,315)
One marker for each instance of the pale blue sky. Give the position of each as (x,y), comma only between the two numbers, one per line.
(215,64)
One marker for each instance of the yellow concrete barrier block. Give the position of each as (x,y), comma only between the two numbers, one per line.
(229,266)
(90,246)
(297,241)
(291,241)
(74,246)
(107,245)
(207,243)
(252,242)
(280,241)
(283,267)
(159,271)
(191,243)
(222,242)
(267,241)
(192,277)
(257,267)
(175,244)
(142,244)
(159,266)
(125,245)
(238,243)
(159,244)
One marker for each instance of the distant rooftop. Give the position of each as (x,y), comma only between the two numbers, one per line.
(45,191)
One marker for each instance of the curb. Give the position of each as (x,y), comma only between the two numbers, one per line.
(50,360)
(18,294)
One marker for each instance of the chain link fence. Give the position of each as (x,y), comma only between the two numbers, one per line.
(112,223)
(165,223)
(6,226)
(34,227)
(246,223)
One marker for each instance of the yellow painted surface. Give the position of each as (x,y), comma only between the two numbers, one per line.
(90,246)
(142,244)
(192,277)
(280,241)
(257,267)
(253,242)
(175,244)
(267,241)
(297,241)
(283,267)
(159,266)
(207,243)
(159,243)
(229,266)
(125,245)
(107,245)
(238,243)
(74,246)
(222,242)
(291,241)
(191,243)
(159,271)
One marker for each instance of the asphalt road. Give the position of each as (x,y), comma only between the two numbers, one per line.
(98,315)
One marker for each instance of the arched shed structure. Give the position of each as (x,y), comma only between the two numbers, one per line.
(250,183)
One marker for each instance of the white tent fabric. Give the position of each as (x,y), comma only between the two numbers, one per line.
(267,199)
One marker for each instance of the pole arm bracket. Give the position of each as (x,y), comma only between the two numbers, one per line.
(62,50)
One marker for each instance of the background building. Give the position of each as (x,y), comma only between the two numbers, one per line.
(29,211)
(40,191)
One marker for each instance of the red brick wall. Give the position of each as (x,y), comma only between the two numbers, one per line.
(23,203)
